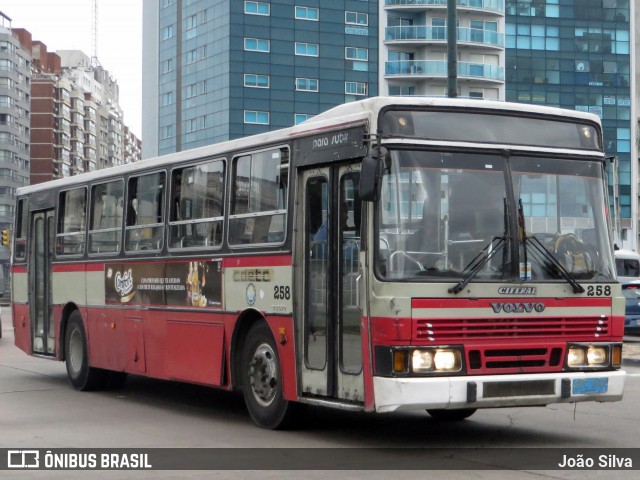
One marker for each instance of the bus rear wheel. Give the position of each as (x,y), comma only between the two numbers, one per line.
(451,415)
(82,376)
(262,379)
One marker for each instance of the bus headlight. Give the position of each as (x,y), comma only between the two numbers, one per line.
(588,356)
(445,360)
(422,361)
(576,357)
(597,356)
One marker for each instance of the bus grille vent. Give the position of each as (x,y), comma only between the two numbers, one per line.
(513,360)
(454,330)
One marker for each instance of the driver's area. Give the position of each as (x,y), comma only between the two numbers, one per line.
(438,213)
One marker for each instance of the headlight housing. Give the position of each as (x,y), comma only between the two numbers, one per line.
(581,356)
(436,360)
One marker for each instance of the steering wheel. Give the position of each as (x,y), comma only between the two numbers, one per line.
(573,253)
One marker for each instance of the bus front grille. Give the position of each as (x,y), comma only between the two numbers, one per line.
(447,330)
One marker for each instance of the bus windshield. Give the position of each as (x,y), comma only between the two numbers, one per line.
(442,215)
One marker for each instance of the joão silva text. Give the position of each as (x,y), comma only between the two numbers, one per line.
(604,461)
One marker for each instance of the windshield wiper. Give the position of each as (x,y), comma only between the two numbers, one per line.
(540,249)
(478,262)
(483,257)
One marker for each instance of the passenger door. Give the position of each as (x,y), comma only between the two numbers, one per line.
(328,315)
(42,248)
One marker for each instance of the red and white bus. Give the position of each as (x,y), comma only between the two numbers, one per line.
(390,254)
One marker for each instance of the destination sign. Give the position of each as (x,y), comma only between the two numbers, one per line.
(331,146)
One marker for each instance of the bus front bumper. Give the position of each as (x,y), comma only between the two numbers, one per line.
(404,394)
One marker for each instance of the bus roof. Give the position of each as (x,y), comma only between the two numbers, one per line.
(352,113)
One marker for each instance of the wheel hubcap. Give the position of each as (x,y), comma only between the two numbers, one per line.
(263,375)
(75,352)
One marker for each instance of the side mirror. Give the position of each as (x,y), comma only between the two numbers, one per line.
(370,174)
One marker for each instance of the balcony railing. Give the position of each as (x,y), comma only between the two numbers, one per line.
(437,68)
(493,5)
(422,32)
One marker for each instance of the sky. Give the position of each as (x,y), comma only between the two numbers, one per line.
(67,25)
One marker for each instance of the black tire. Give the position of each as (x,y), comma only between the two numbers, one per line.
(451,415)
(261,376)
(82,376)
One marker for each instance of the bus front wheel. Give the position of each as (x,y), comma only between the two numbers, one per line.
(451,415)
(262,379)
(82,376)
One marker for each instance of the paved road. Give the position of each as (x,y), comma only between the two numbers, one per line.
(39,409)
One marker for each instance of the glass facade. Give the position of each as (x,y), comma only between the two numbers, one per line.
(228,69)
(575,54)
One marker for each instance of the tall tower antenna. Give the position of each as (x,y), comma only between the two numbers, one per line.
(94,34)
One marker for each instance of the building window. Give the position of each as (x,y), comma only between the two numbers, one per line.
(355,88)
(256,8)
(195,55)
(167,99)
(255,117)
(167,32)
(306,84)
(257,45)
(195,89)
(301,117)
(167,66)
(356,18)
(253,80)
(395,90)
(194,124)
(307,13)
(354,53)
(166,132)
(307,49)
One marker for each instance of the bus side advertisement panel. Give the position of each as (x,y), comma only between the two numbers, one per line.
(185,284)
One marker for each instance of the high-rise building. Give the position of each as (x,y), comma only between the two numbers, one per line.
(76,120)
(576,54)
(414,54)
(215,70)
(15,76)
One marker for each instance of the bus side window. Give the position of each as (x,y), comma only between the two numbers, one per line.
(259,197)
(145,227)
(197,206)
(70,238)
(105,223)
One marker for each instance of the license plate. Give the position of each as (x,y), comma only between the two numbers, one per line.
(590,385)
(638,322)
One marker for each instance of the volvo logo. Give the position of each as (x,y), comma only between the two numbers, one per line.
(517,307)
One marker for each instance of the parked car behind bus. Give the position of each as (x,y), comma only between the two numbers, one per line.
(627,266)
(631,293)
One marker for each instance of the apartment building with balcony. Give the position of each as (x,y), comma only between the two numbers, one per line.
(15,79)
(413,48)
(76,121)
